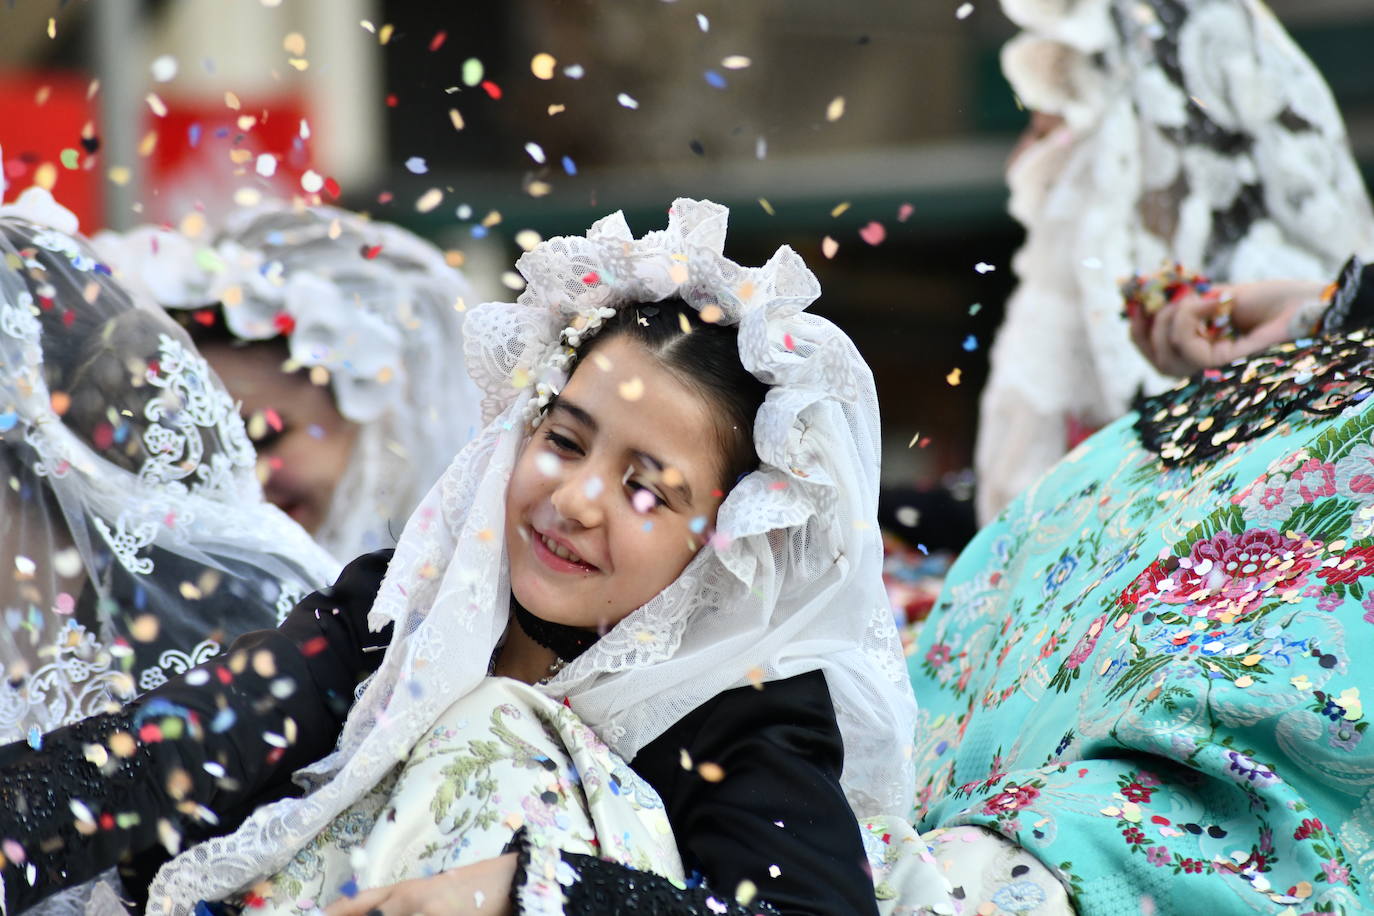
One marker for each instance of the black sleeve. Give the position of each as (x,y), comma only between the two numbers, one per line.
(1352,302)
(751,782)
(194,757)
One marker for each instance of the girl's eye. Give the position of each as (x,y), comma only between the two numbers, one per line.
(643,498)
(562,443)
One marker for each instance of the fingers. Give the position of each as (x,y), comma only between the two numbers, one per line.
(364,903)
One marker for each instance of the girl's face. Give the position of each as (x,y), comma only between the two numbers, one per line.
(304,442)
(614,493)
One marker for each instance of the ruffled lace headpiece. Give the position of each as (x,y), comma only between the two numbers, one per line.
(373,305)
(791,584)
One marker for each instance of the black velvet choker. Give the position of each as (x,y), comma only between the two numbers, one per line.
(562,640)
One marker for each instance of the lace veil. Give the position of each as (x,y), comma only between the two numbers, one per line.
(1195,131)
(790,583)
(134,539)
(375,306)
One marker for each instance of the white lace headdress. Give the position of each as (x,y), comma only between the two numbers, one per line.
(792,582)
(134,539)
(375,305)
(1196,131)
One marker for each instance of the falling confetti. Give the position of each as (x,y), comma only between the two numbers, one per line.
(736,62)
(829,246)
(416,165)
(312,181)
(715,80)
(904,212)
(164,68)
(874,233)
(954,376)
(542,65)
(970,343)
(964,11)
(472,71)
(703,23)
(429,200)
(626,101)
(983,267)
(535,151)
(632,390)
(455,118)
(266,165)
(835,110)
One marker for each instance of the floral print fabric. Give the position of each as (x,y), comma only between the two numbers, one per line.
(503,757)
(1149,673)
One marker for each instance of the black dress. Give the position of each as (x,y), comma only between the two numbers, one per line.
(194,757)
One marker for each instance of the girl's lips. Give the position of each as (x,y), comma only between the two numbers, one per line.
(555,562)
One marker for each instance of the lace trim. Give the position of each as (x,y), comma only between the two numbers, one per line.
(1219,409)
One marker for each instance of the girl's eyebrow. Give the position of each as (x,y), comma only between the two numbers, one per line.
(579,414)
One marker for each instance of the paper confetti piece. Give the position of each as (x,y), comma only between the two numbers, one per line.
(904,212)
(715,80)
(312,181)
(767,207)
(703,23)
(542,66)
(455,118)
(266,165)
(472,71)
(627,101)
(835,110)
(569,166)
(954,376)
(156,105)
(829,246)
(632,390)
(164,68)
(874,233)
(69,158)
(429,200)
(491,89)
(983,267)
(438,40)
(736,62)
(574,71)
(838,209)
(535,152)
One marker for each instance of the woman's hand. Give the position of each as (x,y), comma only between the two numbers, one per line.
(481,889)
(1180,339)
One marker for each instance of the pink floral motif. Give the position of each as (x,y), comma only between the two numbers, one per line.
(1087,644)
(1158,856)
(938,654)
(1315,480)
(1335,872)
(1011,799)
(1329,602)
(1232,574)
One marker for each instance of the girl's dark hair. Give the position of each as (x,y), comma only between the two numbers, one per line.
(706,357)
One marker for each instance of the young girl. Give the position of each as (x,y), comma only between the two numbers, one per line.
(668,557)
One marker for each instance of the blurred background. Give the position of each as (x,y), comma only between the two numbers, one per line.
(869,135)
